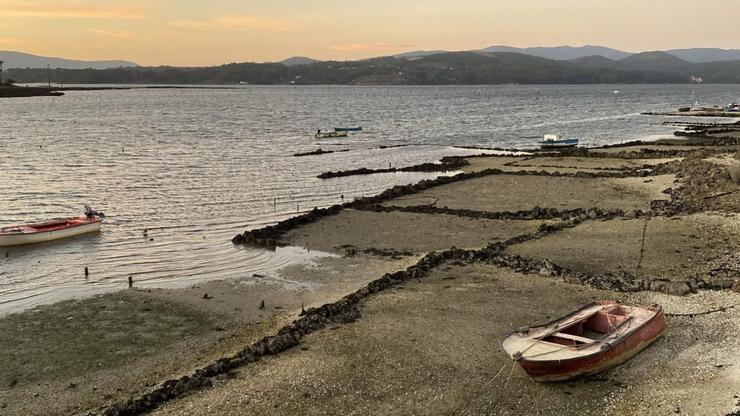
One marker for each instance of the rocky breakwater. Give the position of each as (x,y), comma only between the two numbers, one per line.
(446,164)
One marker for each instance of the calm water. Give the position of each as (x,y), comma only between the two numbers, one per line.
(195,167)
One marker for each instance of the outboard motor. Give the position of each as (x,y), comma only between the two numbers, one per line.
(90,213)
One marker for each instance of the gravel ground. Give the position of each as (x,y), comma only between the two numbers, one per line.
(432,348)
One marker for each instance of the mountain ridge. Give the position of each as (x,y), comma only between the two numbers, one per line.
(569,53)
(14,59)
(448,68)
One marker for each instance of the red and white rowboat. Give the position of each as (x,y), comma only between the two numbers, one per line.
(16,235)
(592,339)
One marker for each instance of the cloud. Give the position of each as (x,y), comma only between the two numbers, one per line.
(377,46)
(9,41)
(121,34)
(189,24)
(236,23)
(67,10)
(257,23)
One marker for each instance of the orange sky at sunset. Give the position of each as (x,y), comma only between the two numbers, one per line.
(210,32)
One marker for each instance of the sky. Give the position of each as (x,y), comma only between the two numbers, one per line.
(212,32)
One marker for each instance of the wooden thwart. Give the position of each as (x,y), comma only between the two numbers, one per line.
(574,338)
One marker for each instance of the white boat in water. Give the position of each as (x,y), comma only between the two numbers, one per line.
(551,141)
(16,235)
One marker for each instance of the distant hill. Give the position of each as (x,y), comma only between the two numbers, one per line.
(448,68)
(417,54)
(653,61)
(706,54)
(25,60)
(298,60)
(563,52)
(594,61)
(694,55)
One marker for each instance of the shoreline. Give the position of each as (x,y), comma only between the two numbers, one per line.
(409,261)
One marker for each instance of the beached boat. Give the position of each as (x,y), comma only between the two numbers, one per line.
(592,339)
(351,128)
(551,141)
(16,235)
(329,134)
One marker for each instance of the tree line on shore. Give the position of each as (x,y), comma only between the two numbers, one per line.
(449,68)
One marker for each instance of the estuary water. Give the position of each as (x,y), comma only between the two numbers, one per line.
(196,166)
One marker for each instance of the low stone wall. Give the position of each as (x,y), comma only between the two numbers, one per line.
(318,151)
(269,236)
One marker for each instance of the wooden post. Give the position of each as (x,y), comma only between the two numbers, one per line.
(86,272)
(130,282)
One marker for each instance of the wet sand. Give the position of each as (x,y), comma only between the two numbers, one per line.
(429,345)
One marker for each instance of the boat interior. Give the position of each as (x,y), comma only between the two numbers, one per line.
(592,328)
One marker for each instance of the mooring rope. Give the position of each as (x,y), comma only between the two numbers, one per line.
(642,247)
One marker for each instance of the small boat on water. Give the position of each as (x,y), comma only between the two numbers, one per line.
(594,338)
(16,235)
(351,128)
(553,141)
(329,134)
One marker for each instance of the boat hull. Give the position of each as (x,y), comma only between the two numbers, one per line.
(556,144)
(618,353)
(17,239)
(330,135)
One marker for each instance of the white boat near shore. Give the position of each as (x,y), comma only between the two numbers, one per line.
(553,141)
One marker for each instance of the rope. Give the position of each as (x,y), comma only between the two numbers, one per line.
(722,309)
(456,411)
(642,246)
(510,373)
(549,352)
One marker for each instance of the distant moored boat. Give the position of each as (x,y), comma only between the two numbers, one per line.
(350,128)
(554,141)
(16,235)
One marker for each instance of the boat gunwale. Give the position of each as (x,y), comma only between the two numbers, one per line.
(620,340)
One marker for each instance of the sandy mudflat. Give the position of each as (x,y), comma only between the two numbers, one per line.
(519,192)
(429,346)
(497,162)
(675,248)
(643,147)
(75,355)
(562,164)
(579,163)
(404,232)
(432,348)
